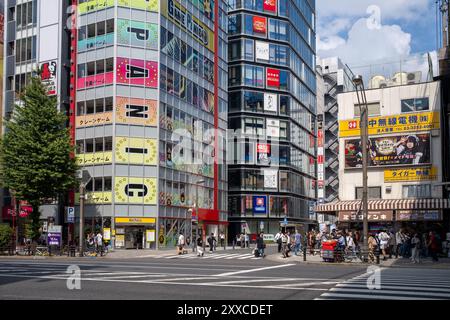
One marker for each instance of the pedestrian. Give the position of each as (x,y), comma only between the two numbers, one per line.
(99,242)
(278,240)
(318,237)
(211,242)
(247,240)
(384,242)
(260,245)
(372,243)
(222,239)
(297,243)
(432,245)
(400,240)
(242,241)
(180,243)
(200,251)
(350,243)
(416,247)
(284,245)
(392,243)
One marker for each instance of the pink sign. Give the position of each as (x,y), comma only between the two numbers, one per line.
(95,80)
(137,72)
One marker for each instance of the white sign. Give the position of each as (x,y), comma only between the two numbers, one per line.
(270,179)
(273,128)
(70,214)
(54,229)
(261,225)
(262,50)
(270,102)
(268,237)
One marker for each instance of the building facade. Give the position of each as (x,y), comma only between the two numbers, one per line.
(405,165)
(35,38)
(272,115)
(150,109)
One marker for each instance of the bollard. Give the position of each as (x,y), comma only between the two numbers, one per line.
(304,253)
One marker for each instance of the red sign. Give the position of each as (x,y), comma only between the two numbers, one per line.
(273,77)
(270,5)
(352,124)
(263,148)
(259,24)
(319,159)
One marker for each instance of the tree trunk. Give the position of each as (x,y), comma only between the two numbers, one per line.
(35,223)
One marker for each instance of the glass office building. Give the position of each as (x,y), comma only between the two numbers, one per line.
(272,115)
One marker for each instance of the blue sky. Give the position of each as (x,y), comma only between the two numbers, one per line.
(361,32)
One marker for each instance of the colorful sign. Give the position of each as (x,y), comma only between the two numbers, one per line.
(96,80)
(90,159)
(408,174)
(48,76)
(94,119)
(270,5)
(137,72)
(272,77)
(419,215)
(390,151)
(96,42)
(94,5)
(136,33)
(136,150)
(178,14)
(260,204)
(423,121)
(371,216)
(259,24)
(134,220)
(106,234)
(263,153)
(135,190)
(136,111)
(54,239)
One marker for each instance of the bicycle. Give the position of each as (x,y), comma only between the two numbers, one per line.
(42,251)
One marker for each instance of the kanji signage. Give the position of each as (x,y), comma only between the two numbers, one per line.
(411,174)
(48,76)
(418,215)
(372,216)
(273,77)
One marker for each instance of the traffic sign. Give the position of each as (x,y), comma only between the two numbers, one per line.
(70,214)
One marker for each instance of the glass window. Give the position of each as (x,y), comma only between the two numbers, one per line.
(99,106)
(107,184)
(108,104)
(109,65)
(91,30)
(110,26)
(80,108)
(91,68)
(254,101)
(373,109)
(100,66)
(108,143)
(101,28)
(417,191)
(98,144)
(90,107)
(248,49)
(98,184)
(415,105)
(89,145)
(373,193)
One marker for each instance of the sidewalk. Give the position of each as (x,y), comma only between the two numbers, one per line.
(443,263)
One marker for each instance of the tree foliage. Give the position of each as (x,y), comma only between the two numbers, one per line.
(35,152)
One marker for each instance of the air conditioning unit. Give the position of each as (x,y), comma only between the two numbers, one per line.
(375,81)
(414,77)
(383,84)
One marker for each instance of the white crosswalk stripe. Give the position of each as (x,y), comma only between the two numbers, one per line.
(207,255)
(394,284)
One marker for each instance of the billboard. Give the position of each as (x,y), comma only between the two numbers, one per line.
(96,42)
(94,119)
(96,80)
(136,150)
(262,50)
(263,153)
(396,150)
(178,14)
(137,72)
(137,33)
(259,24)
(94,5)
(411,174)
(270,5)
(273,77)
(136,111)
(135,190)
(90,159)
(422,121)
(48,76)
(260,204)
(270,102)
(270,179)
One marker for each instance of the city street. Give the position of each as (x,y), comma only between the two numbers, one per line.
(220,276)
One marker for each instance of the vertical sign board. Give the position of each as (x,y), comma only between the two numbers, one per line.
(270,102)
(70,214)
(260,204)
(48,76)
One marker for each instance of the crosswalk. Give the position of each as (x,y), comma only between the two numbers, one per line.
(394,284)
(207,255)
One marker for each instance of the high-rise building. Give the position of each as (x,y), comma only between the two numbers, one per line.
(35,37)
(272,115)
(146,86)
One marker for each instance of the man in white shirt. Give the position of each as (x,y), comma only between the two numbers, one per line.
(350,243)
(384,242)
(278,240)
(99,241)
(180,243)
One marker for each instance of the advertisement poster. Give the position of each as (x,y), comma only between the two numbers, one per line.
(260,204)
(96,80)
(262,50)
(273,77)
(259,24)
(94,5)
(273,128)
(390,151)
(135,190)
(136,33)
(136,150)
(53,239)
(270,5)
(418,215)
(94,119)
(408,174)
(422,121)
(137,72)
(136,111)
(263,153)
(96,42)
(270,102)
(48,76)
(270,179)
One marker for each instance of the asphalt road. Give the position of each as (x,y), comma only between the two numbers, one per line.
(169,279)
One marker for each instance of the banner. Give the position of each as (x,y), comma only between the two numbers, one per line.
(259,24)
(95,80)
(136,150)
(48,75)
(135,190)
(263,154)
(94,5)
(270,5)
(422,121)
(260,204)
(137,72)
(90,159)
(407,174)
(262,50)
(136,33)
(418,215)
(372,216)
(270,102)
(94,119)
(178,14)
(390,151)
(273,77)
(136,111)
(273,128)
(95,42)
(95,198)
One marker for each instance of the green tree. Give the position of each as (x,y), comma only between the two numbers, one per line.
(36,161)
(5,235)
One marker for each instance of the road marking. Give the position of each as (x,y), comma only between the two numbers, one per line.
(254,270)
(401,293)
(362,296)
(398,288)
(245,256)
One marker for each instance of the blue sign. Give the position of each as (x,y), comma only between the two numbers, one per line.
(53,239)
(70,215)
(259,204)
(285,221)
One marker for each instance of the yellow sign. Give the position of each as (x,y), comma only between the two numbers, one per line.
(135,220)
(136,150)
(423,121)
(135,190)
(149,5)
(120,240)
(178,14)
(414,174)
(94,119)
(88,159)
(136,111)
(107,234)
(94,5)
(150,235)
(95,198)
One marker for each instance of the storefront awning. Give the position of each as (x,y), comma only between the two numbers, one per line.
(385,205)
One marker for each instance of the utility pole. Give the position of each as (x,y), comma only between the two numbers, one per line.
(81,234)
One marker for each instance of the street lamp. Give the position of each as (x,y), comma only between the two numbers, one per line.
(362,103)
(85,178)
(198,182)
